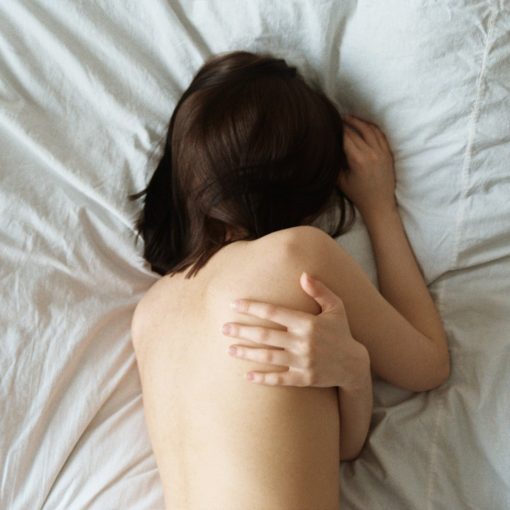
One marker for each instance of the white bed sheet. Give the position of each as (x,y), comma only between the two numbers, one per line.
(86,92)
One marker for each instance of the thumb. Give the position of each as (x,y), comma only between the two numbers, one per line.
(327,299)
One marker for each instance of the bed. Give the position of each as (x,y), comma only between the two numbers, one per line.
(86,92)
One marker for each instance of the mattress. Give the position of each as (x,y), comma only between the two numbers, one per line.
(86,93)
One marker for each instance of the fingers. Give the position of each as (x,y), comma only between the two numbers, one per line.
(370,132)
(269,356)
(381,137)
(326,298)
(292,319)
(272,379)
(288,378)
(261,335)
(352,140)
(276,357)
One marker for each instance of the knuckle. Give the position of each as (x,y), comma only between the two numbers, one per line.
(263,335)
(308,357)
(305,348)
(270,356)
(307,363)
(311,358)
(357,156)
(270,311)
(310,326)
(308,378)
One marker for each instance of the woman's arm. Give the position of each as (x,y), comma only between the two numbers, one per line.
(399,276)
(399,353)
(332,357)
(404,334)
(370,184)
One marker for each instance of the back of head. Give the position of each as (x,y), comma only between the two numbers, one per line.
(251,148)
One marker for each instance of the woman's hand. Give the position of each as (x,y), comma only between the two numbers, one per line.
(318,349)
(370,180)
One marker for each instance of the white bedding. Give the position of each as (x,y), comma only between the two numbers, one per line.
(86,92)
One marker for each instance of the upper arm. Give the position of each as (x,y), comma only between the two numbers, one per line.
(399,353)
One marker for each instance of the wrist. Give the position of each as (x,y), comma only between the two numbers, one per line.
(380,215)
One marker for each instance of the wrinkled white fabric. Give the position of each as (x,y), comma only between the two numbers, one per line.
(86,92)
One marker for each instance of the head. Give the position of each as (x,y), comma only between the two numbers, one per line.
(251,149)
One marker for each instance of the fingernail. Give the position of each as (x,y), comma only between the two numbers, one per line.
(231,350)
(308,278)
(234,304)
(226,328)
(250,376)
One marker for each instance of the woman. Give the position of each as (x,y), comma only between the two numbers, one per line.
(253,156)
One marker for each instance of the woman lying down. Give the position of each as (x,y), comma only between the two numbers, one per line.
(257,346)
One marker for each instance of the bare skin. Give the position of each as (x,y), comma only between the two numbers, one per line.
(224,442)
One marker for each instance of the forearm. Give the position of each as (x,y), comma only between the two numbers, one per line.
(355,405)
(399,276)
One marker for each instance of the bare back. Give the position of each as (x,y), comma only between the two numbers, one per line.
(220,441)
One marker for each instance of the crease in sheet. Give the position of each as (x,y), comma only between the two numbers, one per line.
(433,471)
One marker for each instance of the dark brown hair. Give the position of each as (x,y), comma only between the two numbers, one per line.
(250,147)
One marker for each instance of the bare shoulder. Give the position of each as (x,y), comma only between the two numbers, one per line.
(269,268)
(308,241)
(306,247)
(298,234)
(147,309)
(304,241)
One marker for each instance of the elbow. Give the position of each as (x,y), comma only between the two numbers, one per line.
(443,372)
(349,456)
(349,453)
(443,367)
(438,375)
